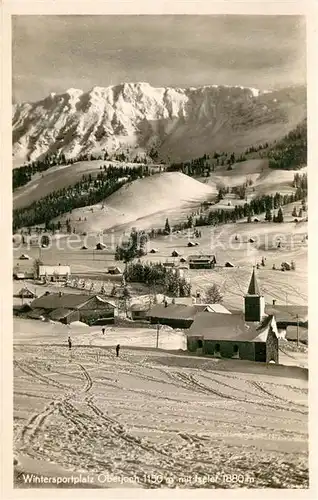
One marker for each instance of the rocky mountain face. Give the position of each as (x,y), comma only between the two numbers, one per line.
(179,123)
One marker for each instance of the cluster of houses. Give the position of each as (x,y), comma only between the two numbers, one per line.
(211,329)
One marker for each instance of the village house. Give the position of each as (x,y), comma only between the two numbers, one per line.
(26,293)
(288,315)
(54,273)
(181,315)
(68,307)
(294,333)
(139,311)
(173,315)
(251,336)
(201,261)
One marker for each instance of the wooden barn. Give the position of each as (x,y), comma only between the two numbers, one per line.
(114,270)
(73,307)
(201,261)
(228,264)
(175,253)
(100,246)
(24,256)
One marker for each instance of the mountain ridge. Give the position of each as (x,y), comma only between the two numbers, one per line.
(178,122)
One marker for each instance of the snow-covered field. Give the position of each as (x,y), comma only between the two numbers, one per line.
(151,417)
(290,286)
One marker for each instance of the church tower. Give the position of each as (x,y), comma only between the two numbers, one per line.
(254,301)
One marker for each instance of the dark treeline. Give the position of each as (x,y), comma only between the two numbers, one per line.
(264,204)
(204,165)
(158,276)
(291,151)
(88,191)
(22,175)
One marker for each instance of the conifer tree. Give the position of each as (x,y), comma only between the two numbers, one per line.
(167,229)
(268,215)
(280,215)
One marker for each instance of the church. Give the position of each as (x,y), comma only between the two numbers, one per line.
(251,335)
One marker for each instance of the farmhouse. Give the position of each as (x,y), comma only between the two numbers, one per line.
(73,307)
(252,336)
(201,261)
(54,273)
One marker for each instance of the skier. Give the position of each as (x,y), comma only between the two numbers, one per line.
(103,331)
(69,340)
(117,349)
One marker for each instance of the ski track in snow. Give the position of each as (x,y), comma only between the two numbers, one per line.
(134,416)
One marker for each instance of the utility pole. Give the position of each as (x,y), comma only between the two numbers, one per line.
(297,330)
(157,339)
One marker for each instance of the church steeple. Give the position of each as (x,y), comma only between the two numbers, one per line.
(253,289)
(254,301)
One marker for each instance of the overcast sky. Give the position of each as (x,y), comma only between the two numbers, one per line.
(54,53)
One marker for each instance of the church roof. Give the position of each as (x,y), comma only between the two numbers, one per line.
(231,327)
(253,288)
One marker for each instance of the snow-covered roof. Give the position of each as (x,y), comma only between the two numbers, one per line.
(231,327)
(217,308)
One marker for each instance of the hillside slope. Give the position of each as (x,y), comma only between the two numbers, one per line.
(141,198)
(180,123)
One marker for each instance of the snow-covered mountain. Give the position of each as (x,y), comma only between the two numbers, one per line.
(180,123)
